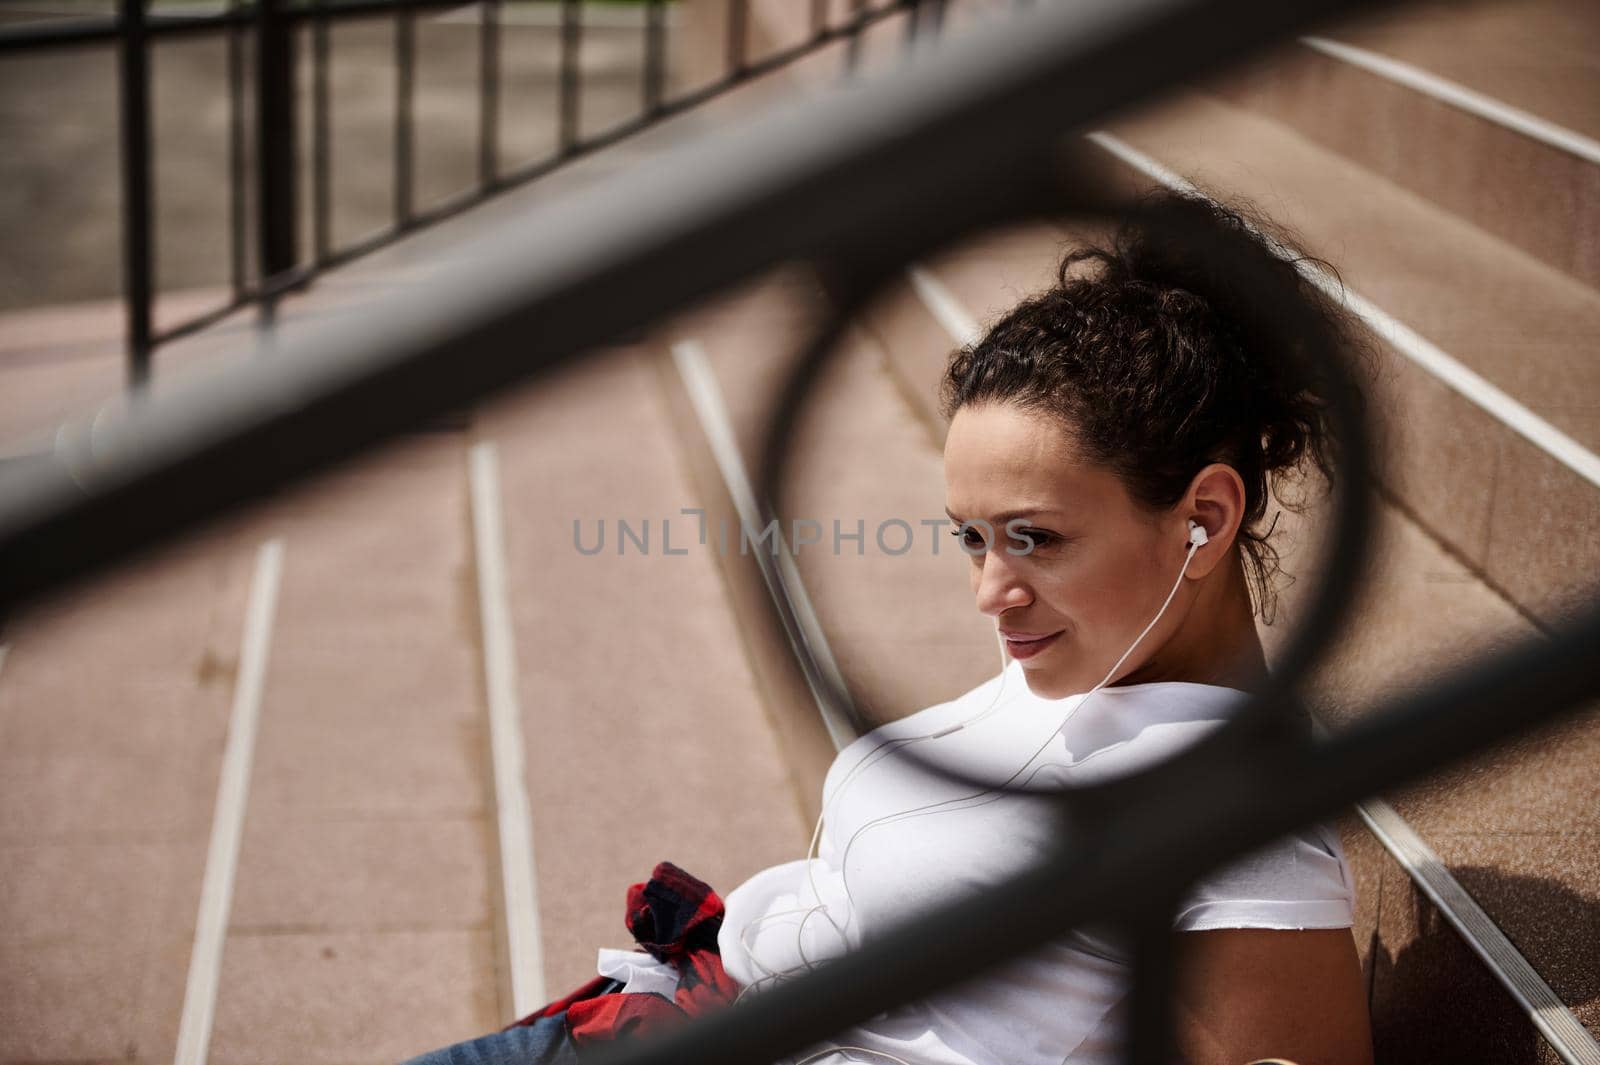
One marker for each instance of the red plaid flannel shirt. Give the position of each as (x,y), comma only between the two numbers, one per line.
(675,918)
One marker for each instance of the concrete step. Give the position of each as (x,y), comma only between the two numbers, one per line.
(898,618)
(1527,64)
(1524,519)
(363,873)
(1536,55)
(360,925)
(1516,826)
(648,737)
(114,702)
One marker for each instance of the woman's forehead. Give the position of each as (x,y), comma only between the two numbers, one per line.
(1000,459)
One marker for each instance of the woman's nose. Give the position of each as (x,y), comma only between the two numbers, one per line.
(999,586)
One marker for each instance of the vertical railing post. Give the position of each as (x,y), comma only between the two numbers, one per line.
(321,138)
(405,63)
(571,39)
(238,211)
(738,34)
(655,54)
(275,135)
(133,61)
(488,95)
(913,21)
(852,55)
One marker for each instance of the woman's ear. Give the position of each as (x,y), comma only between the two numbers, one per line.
(1216,501)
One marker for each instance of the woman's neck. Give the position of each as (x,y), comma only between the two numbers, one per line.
(1217,643)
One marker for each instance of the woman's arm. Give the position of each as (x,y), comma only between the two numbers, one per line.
(1249,993)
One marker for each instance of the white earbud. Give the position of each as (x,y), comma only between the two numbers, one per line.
(1197,533)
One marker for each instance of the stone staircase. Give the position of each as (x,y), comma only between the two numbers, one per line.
(374,629)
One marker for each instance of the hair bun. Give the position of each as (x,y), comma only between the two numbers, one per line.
(1269,315)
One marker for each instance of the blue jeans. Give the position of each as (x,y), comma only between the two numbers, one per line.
(544,1042)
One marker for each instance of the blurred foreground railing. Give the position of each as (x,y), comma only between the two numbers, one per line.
(858,181)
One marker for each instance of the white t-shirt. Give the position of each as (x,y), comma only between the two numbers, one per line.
(879,865)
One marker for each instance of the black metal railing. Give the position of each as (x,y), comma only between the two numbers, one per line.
(274,25)
(859,180)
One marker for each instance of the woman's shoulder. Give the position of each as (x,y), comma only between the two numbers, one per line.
(1121,730)
(1124,727)
(980,702)
(999,689)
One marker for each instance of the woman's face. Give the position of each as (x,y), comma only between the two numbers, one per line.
(1081,569)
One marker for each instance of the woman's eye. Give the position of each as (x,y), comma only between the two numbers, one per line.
(971,537)
(1019,541)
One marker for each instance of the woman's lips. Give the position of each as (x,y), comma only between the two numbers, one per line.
(1020,645)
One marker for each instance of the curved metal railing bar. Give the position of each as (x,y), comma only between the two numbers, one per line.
(1345,548)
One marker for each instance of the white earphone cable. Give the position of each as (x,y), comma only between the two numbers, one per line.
(1197,539)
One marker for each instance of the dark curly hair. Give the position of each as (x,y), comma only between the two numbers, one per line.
(1176,353)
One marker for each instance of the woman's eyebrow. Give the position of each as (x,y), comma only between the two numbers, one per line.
(1009,515)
